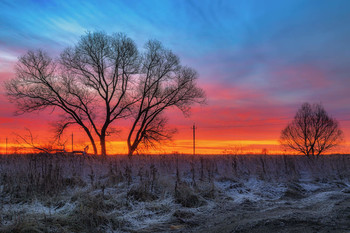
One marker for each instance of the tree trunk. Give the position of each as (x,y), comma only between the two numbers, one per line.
(130,152)
(91,140)
(94,146)
(103,145)
(131,148)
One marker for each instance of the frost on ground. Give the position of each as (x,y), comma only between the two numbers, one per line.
(174,193)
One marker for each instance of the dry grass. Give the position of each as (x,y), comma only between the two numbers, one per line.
(63,193)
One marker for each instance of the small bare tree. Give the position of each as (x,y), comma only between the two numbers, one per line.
(312,131)
(163,84)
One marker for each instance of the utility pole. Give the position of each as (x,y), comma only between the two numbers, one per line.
(72,143)
(194,139)
(6,145)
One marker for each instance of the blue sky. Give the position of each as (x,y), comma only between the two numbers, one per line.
(254,58)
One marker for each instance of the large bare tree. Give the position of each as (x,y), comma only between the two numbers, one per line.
(103,79)
(89,83)
(104,65)
(163,84)
(312,131)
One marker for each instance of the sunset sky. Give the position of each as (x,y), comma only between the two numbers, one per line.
(258,61)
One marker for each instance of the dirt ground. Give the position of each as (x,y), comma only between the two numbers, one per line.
(325,210)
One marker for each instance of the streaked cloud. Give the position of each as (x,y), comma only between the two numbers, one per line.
(257,60)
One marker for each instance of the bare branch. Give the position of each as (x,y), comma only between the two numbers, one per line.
(104,78)
(163,84)
(312,131)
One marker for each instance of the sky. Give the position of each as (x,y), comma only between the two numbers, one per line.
(258,61)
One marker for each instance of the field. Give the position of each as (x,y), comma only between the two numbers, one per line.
(174,193)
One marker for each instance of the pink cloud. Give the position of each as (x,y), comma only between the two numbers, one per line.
(299,76)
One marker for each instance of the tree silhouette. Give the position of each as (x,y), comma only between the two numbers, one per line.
(312,131)
(101,80)
(103,65)
(163,84)
(37,87)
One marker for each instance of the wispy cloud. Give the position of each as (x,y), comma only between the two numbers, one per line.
(257,60)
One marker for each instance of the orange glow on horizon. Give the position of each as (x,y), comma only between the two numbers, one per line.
(245,132)
(184,147)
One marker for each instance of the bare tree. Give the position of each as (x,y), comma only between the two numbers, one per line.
(89,83)
(163,84)
(312,131)
(104,65)
(103,79)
